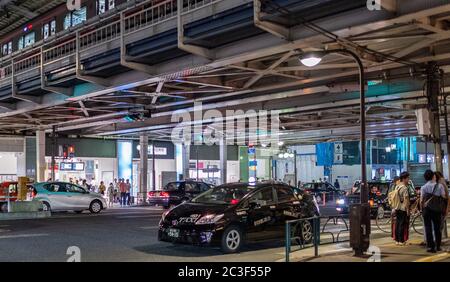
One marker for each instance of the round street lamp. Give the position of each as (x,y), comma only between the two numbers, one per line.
(311,59)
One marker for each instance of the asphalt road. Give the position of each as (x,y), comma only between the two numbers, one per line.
(128,234)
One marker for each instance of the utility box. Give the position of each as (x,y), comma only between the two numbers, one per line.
(360,227)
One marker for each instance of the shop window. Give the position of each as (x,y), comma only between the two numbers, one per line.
(75,17)
(26,40)
(7,48)
(49,29)
(101,6)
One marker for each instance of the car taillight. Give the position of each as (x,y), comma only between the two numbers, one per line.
(33,193)
(164,194)
(234,201)
(151,194)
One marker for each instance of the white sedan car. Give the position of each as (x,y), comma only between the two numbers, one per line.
(63,196)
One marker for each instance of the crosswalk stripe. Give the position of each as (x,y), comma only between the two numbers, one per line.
(23,236)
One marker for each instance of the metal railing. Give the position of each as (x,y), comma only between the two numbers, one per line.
(150,16)
(298,233)
(59,51)
(103,34)
(28,63)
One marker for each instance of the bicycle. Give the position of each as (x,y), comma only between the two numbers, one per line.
(384,223)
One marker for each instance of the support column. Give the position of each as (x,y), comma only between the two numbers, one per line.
(143,167)
(433,91)
(223,161)
(40,156)
(186,157)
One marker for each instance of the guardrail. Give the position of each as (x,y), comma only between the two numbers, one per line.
(292,226)
(300,232)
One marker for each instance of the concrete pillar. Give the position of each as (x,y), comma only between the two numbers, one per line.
(185,160)
(143,167)
(40,156)
(223,161)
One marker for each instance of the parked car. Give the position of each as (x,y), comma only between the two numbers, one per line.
(175,193)
(63,196)
(231,215)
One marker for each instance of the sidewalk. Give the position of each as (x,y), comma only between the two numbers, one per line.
(383,249)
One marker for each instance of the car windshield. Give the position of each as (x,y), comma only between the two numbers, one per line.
(173,186)
(223,195)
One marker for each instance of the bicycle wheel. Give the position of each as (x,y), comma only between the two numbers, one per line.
(417,224)
(384,223)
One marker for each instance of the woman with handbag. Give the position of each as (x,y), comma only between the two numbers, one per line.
(432,197)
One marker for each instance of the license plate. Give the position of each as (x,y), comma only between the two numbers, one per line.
(174,233)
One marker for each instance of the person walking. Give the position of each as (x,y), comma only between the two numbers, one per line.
(399,202)
(336,184)
(111,195)
(102,188)
(127,191)
(123,192)
(432,197)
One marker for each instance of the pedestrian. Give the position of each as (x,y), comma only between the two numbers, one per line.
(432,199)
(336,184)
(84,185)
(127,191)
(111,195)
(123,193)
(102,188)
(399,202)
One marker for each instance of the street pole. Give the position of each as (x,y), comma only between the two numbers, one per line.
(53,153)
(360,215)
(153,166)
(433,91)
(295,169)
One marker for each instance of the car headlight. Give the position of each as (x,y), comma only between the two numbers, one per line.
(340,201)
(209,219)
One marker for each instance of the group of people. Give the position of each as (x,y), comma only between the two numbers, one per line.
(117,191)
(433,202)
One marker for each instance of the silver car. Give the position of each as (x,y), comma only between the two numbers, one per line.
(63,196)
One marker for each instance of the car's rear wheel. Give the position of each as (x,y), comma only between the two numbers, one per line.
(232,240)
(46,206)
(95,207)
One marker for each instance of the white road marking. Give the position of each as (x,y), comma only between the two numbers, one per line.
(138,216)
(149,227)
(23,236)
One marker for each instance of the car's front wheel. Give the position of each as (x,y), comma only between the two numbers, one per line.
(95,207)
(46,206)
(232,240)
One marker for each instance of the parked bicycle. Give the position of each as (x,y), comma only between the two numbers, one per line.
(384,223)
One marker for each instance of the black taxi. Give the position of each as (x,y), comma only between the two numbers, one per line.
(230,215)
